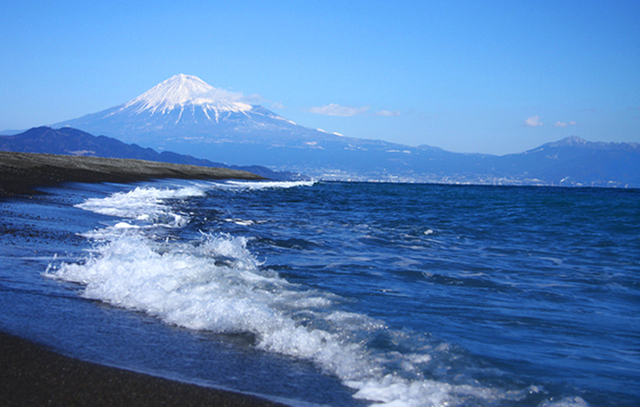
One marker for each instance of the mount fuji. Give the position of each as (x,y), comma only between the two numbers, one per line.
(186,115)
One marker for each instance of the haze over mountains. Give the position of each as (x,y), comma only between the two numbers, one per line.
(70,141)
(188,116)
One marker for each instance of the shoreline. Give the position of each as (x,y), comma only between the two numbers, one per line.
(21,172)
(32,375)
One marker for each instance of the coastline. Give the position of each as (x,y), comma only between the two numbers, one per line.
(32,375)
(20,172)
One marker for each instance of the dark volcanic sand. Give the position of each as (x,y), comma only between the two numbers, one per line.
(31,375)
(19,172)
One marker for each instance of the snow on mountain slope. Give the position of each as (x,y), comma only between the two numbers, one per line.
(182,90)
(186,115)
(185,109)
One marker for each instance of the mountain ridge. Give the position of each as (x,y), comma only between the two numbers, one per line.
(74,142)
(179,115)
(575,141)
(548,165)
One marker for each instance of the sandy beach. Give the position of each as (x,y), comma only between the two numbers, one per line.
(31,375)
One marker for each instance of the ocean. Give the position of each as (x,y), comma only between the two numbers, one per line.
(337,293)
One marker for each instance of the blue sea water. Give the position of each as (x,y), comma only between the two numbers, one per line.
(341,294)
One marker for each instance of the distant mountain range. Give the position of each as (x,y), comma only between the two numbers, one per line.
(199,122)
(70,141)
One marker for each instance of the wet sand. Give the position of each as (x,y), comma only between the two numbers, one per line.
(31,375)
(21,172)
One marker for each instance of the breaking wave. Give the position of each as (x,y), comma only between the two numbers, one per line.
(215,283)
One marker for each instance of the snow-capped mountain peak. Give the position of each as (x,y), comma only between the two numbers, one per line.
(182,90)
(186,108)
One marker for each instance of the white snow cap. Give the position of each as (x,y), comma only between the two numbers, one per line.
(182,90)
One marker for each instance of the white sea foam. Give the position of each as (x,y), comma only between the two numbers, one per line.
(241,185)
(566,402)
(217,285)
(144,204)
(214,283)
(124,225)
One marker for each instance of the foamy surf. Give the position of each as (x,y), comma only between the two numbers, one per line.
(215,283)
(144,204)
(255,185)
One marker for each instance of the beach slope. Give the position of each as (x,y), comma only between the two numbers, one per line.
(21,172)
(31,375)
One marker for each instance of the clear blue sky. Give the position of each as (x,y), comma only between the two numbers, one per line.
(468,76)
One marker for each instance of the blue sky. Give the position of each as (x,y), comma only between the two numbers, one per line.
(493,77)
